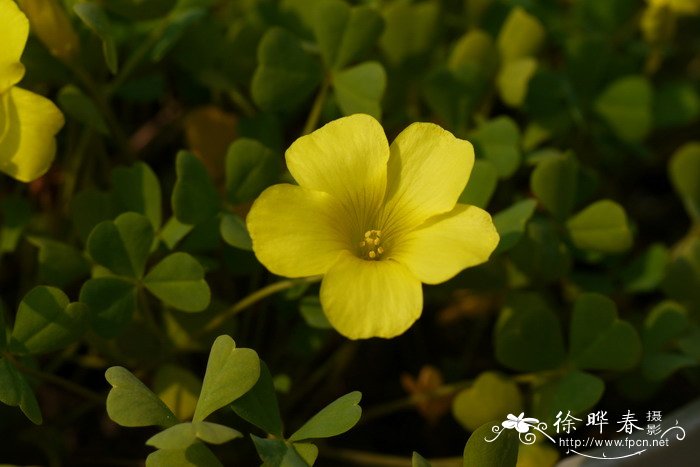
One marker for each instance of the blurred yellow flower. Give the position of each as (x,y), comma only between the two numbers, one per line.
(28,122)
(51,25)
(374,220)
(682,7)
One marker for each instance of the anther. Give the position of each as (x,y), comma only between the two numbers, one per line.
(369,244)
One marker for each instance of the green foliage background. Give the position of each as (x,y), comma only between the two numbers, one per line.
(132,251)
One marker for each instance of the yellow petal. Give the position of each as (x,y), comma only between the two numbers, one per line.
(14,29)
(347,159)
(428,170)
(296,232)
(365,299)
(28,124)
(447,243)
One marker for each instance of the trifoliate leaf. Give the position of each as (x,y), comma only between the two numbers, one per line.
(231,372)
(130,403)
(47,321)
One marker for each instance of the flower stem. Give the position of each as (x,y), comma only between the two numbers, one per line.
(251,299)
(150,319)
(315,114)
(240,100)
(356,457)
(75,163)
(135,59)
(102,102)
(410,401)
(55,380)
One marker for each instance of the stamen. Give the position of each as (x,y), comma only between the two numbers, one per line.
(369,245)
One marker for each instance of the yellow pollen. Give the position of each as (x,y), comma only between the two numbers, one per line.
(369,246)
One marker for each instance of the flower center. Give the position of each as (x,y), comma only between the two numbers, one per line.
(370,245)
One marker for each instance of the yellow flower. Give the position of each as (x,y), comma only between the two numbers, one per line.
(28,122)
(682,7)
(51,25)
(375,220)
